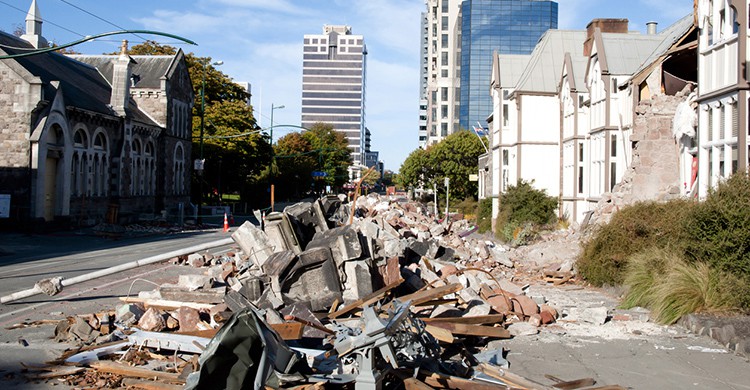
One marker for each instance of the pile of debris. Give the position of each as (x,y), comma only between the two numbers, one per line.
(373,293)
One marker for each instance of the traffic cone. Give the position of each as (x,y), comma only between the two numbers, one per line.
(226,223)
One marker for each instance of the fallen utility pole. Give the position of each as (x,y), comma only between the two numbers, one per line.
(122,267)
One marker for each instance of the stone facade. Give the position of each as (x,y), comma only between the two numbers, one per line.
(73,152)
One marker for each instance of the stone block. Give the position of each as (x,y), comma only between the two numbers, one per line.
(524,305)
(281,233)
(253,242)
(592,315)
(344,243)
(188,318)
(358,282)
(129,314)
(196,260)
(314,280)
(522,329)
(152,321)
(500,303)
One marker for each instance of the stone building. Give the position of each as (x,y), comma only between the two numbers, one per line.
(90,139)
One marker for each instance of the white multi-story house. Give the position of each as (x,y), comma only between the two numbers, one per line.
(723,90)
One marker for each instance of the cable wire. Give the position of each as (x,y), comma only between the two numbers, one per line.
(46,21)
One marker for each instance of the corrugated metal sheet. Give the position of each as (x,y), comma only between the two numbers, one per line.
(545,65)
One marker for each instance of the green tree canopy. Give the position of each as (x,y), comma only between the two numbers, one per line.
(455,157)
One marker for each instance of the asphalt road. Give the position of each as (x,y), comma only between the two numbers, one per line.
(26,259)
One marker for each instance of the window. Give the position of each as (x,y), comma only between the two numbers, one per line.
(444,110)
(612,175)
(444,23)
(444,6)
(444,58)
(444,41)
(613,145)
(506,121)
(443,129)
(444,94)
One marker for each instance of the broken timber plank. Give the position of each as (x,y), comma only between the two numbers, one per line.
(441,334)
(167,304)
(416,384)
(474,330)
(474,320)
(438,302)
(576,384)
(289,330)
(377,295)
(148,385)
(427,295)
(134,372)
(510,378)
(55,372)
(168,341)
(441,381)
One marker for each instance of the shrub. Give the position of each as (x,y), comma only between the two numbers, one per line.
(643,272)
(633,229)
(484,215)
(689,288)
(523,203)
(719,227)
(467,207)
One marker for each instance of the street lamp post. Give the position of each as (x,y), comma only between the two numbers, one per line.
(200,157)
(270,172)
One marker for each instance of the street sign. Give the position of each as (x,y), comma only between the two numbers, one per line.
(319,174)
(474,177)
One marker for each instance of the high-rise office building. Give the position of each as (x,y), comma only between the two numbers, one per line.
(333,84)
(458,40)
(505,26)
(438,105)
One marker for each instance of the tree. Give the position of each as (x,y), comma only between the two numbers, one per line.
(333,153)
(455,157)
(234,160)
(295,160)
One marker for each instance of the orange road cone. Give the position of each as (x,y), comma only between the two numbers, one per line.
(226,223)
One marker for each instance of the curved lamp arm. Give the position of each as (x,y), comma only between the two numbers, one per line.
(92,37)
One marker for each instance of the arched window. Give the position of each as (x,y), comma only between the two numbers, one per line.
(135,167)
(80,184)
(179,170)
(101,164)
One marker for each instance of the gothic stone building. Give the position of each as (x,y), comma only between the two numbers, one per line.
(89,139)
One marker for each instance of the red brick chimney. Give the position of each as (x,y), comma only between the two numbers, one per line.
(619,26)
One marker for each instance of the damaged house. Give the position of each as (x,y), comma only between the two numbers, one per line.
(610,95)
(90,139)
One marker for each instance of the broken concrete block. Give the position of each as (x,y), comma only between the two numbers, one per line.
(188,318)
(500,303)
(172,323)
(253,242)
(358,282)
(547,308)
(437,230)
(535,319)
(546,317)
(445,311)
(476,308)
(501,256)
(522,329)
(83,331)
(252,288)
(313,280)
(344,243)
(592,315)
(510,287)
(196,260)
(129,314)
(194,282)
(281,233)
(50,286)
(277,266)
(152,320)
(524,305)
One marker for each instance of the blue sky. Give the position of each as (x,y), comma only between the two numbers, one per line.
(260,41)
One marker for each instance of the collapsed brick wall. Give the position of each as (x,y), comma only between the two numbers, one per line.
(654,172)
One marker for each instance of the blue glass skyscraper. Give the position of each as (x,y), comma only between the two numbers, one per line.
(505,26)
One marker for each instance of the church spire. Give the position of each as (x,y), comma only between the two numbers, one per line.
(34,27)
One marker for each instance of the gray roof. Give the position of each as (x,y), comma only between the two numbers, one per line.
(511,67)
(670,36)
(626,52)
(82,85)
(150,69)
(542,73)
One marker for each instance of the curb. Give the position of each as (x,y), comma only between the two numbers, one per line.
(731,332)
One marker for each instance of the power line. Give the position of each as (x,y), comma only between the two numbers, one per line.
(99,17)
(46,21)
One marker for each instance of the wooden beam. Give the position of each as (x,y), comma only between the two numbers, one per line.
(441,334)
(416,384)
(510,378)
(423,296)
(474,330)
(166,304)
(474,320)
(148,385)
(377,295)
(134,372)
(452,382)
(576,384)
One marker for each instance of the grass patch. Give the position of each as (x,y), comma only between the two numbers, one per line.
(644,270)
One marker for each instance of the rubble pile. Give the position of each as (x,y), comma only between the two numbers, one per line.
(374,293)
